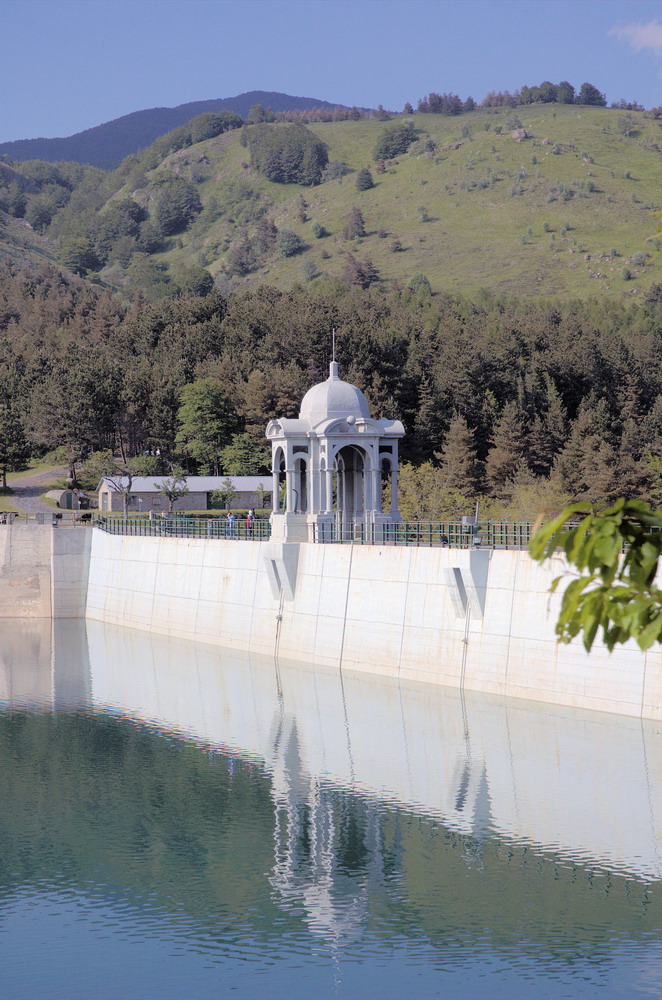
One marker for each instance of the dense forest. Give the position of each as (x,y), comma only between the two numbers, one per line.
(523,406)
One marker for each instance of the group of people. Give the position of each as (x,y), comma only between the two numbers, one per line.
(231,520)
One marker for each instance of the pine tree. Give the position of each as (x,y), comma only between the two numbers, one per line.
(355,225)
(650,430)
(507,447)
(634,474)
(568,470)
(460,468)
(364,180)
(600,473)
(547,432)
(360,272)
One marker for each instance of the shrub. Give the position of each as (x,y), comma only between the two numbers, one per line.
(364,180)
(318,230)
(639,259)
(626,274)
(333,170)
(288,243)
(420,282)
(309,270)
(208,125)
(291,155)
(394,140)
(176,204)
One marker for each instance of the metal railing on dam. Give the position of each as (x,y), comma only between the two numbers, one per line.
(498,535)
(186,527)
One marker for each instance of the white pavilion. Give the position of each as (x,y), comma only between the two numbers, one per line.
(335,461)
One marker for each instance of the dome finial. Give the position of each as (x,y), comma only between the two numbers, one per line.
(333,366)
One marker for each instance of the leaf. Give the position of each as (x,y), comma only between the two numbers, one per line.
(651,633)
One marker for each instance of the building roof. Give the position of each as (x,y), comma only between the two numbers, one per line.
(332,399)
(196,484)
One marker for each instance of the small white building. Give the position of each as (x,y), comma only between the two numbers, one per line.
(251,491)
(335,461)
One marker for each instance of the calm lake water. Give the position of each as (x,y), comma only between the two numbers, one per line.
(182,822)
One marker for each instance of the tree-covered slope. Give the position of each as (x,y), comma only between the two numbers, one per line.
(108,144)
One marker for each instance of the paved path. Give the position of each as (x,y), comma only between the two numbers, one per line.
(26,490)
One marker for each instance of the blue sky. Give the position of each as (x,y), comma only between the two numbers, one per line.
(68,65)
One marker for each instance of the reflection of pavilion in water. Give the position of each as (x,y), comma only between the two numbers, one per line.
(324,845)
(337,465)
(328,847)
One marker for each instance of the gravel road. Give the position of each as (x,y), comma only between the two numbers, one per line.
(26,490)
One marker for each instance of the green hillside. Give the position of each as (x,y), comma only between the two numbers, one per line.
(566,212)
(497,219)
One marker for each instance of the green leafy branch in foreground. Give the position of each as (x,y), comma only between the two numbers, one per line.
(616,552)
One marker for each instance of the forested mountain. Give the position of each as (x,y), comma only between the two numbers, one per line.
(494,277)
(542,199)
(521,404)
(108,144)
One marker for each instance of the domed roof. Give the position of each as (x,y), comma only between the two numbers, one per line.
(333,398)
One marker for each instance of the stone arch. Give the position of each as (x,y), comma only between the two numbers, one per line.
(385,479)
(323,487)
(278,476)
(300,487)
(351,470)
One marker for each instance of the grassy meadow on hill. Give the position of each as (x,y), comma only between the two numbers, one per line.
(565,213)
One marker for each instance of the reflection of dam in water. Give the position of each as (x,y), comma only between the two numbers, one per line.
(583,785)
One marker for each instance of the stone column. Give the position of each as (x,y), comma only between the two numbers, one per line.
(394,489)
(376,477)
(289,490)
(275,491)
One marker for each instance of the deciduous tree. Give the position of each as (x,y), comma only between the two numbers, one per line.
(615,593)
(207,421)
(173,488)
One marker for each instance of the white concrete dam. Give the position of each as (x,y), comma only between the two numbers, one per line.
(476,620)
(480,620)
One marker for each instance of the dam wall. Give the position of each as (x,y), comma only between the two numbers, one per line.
(25,571)
(43,571)
(479,620)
